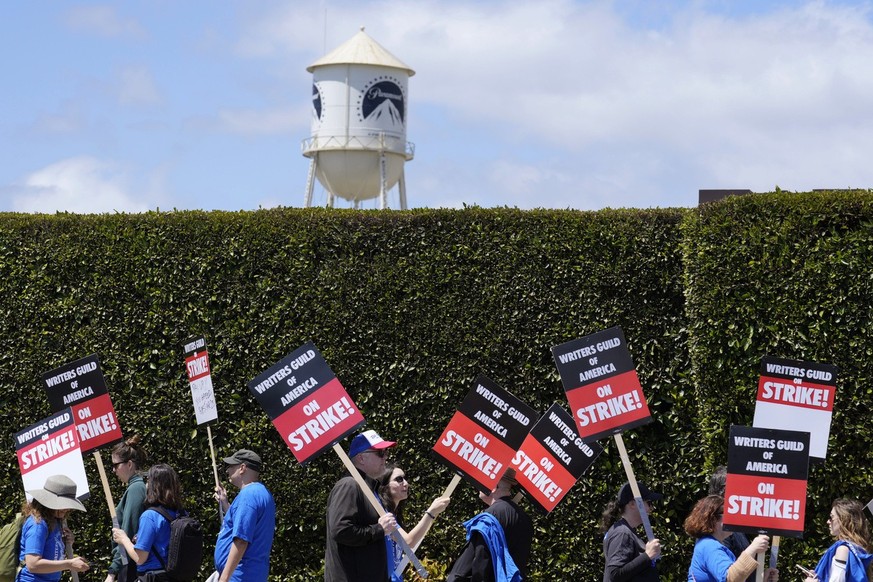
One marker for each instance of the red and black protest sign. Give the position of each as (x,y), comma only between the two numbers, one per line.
(552,458)
(51,447)
(306,402)
(602,385)
(81,386)
(200,380)
(483,435)
(797,395)
(766,481)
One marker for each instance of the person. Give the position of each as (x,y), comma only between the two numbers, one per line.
(163,491)
(498,540)
(127,459)
(355,545)
(242,551)
(393,492)
(43,534)
(850,558)
(627,557)
(737,541)
(712,561)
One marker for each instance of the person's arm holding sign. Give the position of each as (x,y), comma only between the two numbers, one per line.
(417,533)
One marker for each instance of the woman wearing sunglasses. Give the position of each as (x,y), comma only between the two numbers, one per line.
(394,491)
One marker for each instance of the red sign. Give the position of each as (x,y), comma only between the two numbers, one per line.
(484,433)
(306,402)
(551,458)
(602,385)
(81,386)
(767,472)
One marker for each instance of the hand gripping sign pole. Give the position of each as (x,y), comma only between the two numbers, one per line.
(635,489)
(81,386)
(605,394)
(371,497)
(765,490)
(203,396)
(312,412)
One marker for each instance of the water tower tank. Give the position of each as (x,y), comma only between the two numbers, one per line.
(358,142)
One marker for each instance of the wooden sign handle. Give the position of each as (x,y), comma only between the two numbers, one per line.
(371,497)
(759,574)
(215,472)
(453,484)
(774,552)
(109,502)
(68,550)
(632,480)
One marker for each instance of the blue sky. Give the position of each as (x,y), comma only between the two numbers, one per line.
(197,104)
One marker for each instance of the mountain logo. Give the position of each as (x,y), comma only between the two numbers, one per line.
(382,101)
(316,101)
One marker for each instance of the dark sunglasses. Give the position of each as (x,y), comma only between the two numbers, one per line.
(115,465)
(400,479)
(378,452)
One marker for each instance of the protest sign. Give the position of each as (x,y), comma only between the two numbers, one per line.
(797,395)
(200,380)
(306,402)
(483,435)
(602,385)
(552,457)
(80,386)
(51,447)
(766,481)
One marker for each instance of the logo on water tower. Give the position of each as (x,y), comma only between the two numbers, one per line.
(382,101)
(316,101)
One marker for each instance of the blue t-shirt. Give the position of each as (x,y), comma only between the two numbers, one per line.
(710,561)
(154,530)
(251,518)
(36,539)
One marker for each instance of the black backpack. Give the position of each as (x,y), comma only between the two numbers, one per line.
(185,552)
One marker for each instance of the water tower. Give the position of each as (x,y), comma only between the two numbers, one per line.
(358,144)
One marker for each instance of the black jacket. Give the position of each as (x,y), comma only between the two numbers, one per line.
(355,549)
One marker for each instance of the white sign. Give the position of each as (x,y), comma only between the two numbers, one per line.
(200,380)
(51,447)
(796,395)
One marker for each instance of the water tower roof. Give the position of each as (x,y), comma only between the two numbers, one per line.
(361,49)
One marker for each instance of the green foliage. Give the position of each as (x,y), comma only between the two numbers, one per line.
(408,307)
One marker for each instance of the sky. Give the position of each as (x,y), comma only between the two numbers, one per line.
(197,104)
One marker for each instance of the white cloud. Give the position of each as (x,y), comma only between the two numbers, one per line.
(80,184)
(136,86)
(104,21)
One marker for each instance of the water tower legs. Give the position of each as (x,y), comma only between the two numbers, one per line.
(310,182)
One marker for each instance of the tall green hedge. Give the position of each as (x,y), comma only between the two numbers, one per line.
(408,307)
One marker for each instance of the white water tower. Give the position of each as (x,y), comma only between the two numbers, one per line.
(358,144)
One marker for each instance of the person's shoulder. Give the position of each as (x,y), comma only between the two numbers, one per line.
(33,524)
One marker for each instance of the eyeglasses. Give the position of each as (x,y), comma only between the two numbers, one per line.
(378,452)
(115,465)
(400,479)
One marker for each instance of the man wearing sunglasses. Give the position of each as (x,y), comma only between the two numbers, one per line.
(355,549)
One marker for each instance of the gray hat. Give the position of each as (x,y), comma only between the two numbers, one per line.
(245,457)
(59,492)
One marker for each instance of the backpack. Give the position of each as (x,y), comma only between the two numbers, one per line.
(10,549)
(185,552)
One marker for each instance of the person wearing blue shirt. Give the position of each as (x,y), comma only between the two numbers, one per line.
(712,561)
(850,558)
(242,551)
(163,490)
(43,535)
